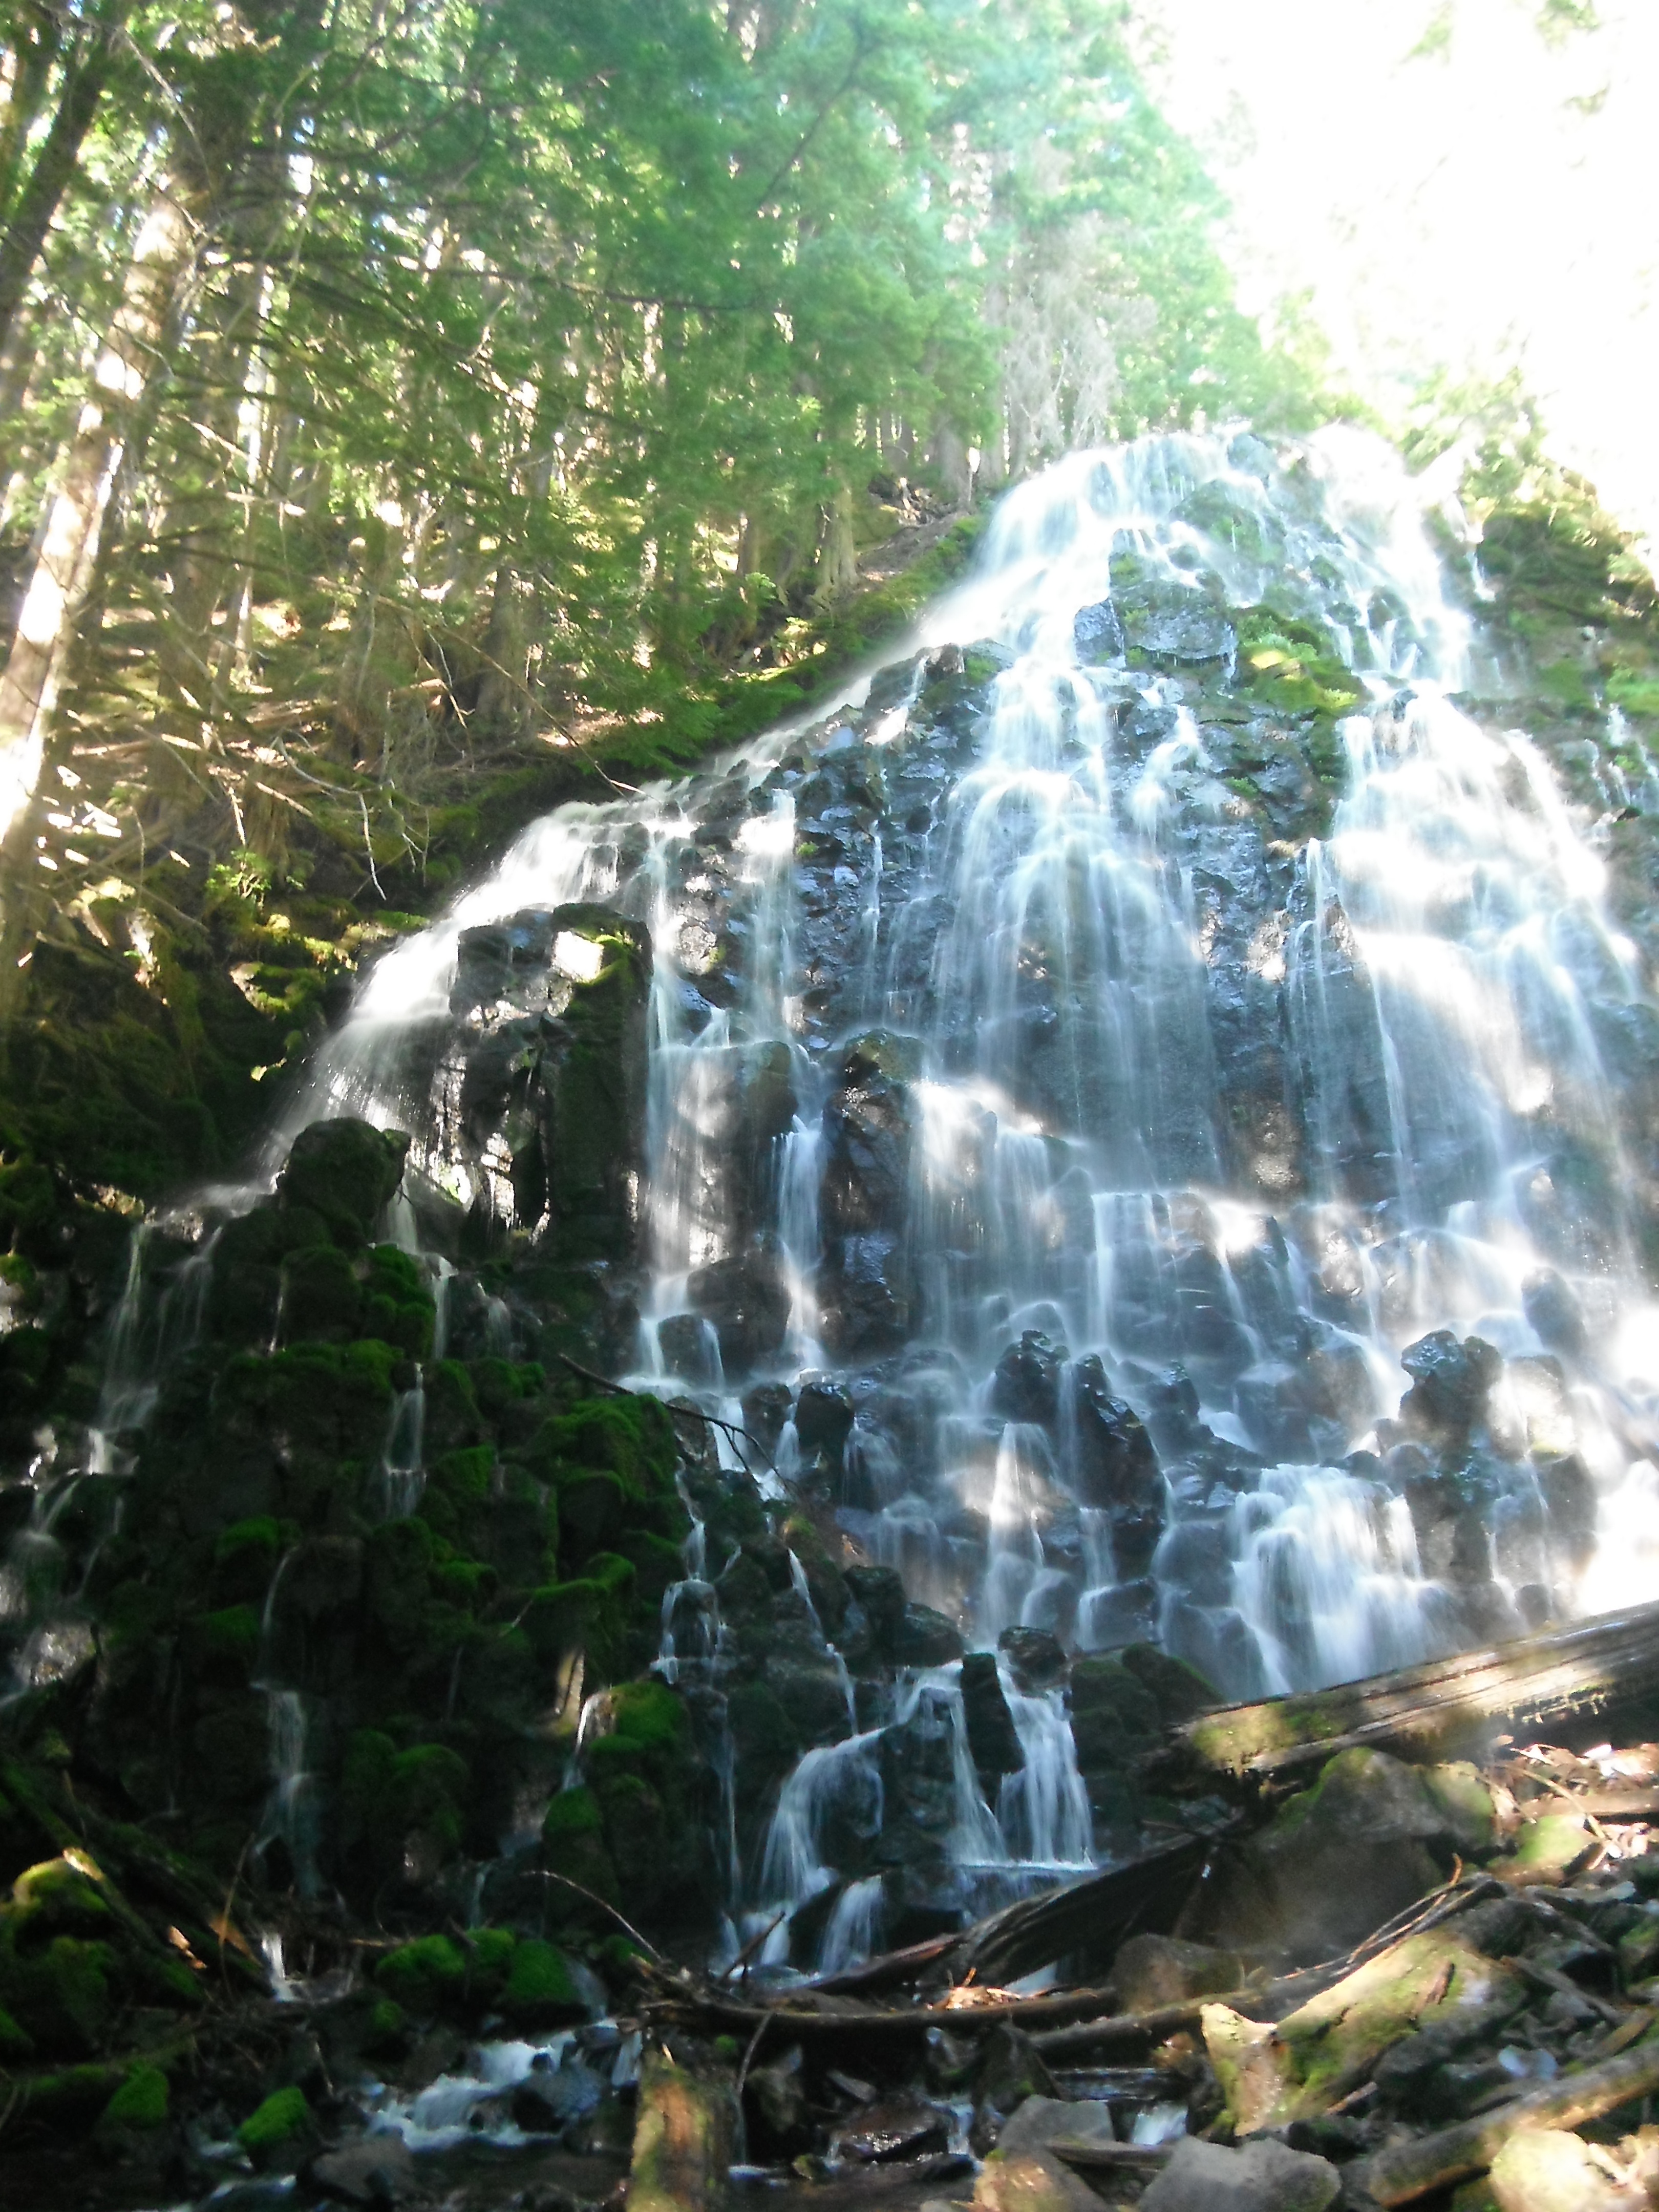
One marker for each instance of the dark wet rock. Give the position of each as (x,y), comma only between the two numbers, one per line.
(745,1298)
(1009,2071)
(1261,2176)
(690,1347)
(823,1415)
(1035,1659)
(992,1737)
(1127,1614)
(1570,1501)
(344,1173)
(1116,1468)
(1026,1384)
(925,1638)
(1450,1380)
(879,1594)
(1554,1314)
(896,2127)
(812,1693)
(1098,634)
(552,2098)
(766,1407)
(1166,620)
(866,1291)
(377,2170)
(776,2106)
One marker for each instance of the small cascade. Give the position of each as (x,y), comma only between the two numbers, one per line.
(1042,1810)
(291,1811)
(403,1470)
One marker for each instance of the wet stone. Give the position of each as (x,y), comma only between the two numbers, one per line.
(1259,2177)
(893,2128)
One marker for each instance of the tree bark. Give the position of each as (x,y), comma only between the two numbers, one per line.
(29,220)
(1401,2174)
(1449,1703)
(127,364)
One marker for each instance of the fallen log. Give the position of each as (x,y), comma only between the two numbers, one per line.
(1094,1915)
(1140,2160)
(1402,2172)
(1445,1704)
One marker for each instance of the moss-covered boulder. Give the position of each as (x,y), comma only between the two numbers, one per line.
(281,2134)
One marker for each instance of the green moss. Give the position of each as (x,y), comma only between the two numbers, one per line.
(61,1996)
(398,1304)
(630,1436)
(385,2026)
(538,1989)
(322,1299)
(424,1975)
(141,2100)
(590,1613)
(279,2126)
(227,1642)
(15,2047)
(56,1897)
(574,1846)
(245,1556)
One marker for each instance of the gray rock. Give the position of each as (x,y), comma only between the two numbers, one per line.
(1150,1971)
(377,2170)
(1041,2121)
(1260,2177)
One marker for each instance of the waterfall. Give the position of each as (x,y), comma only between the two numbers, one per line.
(1104,1070)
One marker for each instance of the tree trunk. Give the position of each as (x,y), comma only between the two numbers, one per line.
(29,220)
(503,695)
(35,47)
(838,560)
(69,550)
(1448,1705)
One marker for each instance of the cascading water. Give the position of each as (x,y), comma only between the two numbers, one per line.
(1078,1068)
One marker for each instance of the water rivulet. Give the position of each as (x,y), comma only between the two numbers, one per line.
(1040,1110)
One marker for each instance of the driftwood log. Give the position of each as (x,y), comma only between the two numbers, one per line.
(1448,1704)
(1404,2171)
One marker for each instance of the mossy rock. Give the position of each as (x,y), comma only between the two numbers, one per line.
(592,1513)
(56,1898)
(452,1418)
(589,1613)
(143,2101)
(322,1299)
(386,1795)
(630,1436)
(281,2134)
(399,1307)
(538,1991)
(59,1996)
(346,1171)
(223,1645)
(245,1557)
(573,1844)
(424,1976)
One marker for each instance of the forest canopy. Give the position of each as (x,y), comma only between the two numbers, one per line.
(389,390)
